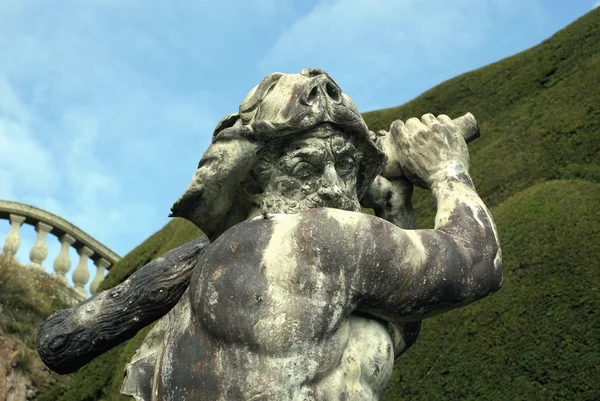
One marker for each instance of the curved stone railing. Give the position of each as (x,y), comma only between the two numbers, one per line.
(68,235)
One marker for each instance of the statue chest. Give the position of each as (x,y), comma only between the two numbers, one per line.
(271,306)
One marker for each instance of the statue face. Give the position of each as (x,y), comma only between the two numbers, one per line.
(315,169)
(297,142)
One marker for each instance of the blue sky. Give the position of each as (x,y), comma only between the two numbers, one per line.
(107,105)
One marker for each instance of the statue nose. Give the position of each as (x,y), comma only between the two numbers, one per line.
(321,89)
(329,193)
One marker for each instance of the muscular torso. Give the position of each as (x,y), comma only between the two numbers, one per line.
(261,326)
(272,309)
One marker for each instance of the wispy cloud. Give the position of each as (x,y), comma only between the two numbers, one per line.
(80,121)
(392,41)
(107,106)
(24,161)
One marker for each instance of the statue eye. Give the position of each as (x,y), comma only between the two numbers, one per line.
(345,166)
(303,170)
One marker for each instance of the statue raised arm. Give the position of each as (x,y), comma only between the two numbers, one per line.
(299,296)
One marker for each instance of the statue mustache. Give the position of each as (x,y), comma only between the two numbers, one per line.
(340,202)
(312,201)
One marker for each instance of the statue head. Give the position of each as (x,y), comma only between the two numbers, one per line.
(318,167)
(311,148)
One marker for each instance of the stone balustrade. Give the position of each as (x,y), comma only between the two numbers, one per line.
(68,235)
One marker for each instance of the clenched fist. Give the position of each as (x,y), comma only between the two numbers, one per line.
(422,149)
(419,152)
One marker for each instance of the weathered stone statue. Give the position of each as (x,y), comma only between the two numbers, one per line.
(297,295)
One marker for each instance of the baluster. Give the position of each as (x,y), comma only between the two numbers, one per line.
(40,248)
(101,266)
(62,263)
(13,239)
(81,275)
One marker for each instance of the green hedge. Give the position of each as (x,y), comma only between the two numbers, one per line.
(539,337)
(538,111)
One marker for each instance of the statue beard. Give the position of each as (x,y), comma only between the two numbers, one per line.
(277,205)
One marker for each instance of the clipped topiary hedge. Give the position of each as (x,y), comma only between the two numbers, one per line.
(539,337)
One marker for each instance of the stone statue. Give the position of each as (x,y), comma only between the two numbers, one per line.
(293,294)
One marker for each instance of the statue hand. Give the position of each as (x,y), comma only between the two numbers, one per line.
(422,150)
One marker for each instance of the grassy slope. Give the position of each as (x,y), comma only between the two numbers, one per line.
(27,297)
(538,111)
(540,120)
(539,337)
